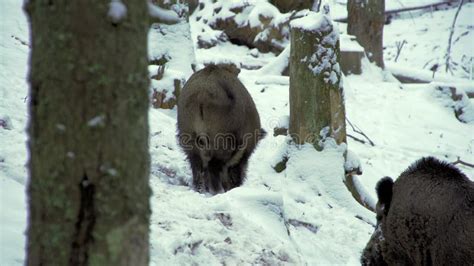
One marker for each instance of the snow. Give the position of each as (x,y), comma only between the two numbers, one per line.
(457,99)
(303,215)
(421,74)
(324,59)
(164,15)
(117,11)
(263,10)
(352,162)
(172,43)
(13,221)
(278,65)
(427,41)
(96,121)
(313,21)
(339,6)
(348,43)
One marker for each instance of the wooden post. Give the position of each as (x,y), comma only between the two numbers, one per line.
(316,94)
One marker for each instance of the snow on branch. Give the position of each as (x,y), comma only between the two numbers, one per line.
(161,15)
(279,65)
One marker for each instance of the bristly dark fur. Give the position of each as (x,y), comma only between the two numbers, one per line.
(384,191)
(430,221)
(218,128)
(432,166)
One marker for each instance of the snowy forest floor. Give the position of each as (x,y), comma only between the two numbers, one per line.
(304,215)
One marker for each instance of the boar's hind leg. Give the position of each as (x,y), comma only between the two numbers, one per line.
(236,172)
(198,171)
(215,179)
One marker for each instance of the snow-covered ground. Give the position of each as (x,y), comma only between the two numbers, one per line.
(303,215)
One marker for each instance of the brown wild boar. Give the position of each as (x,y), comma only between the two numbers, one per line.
(425,217)
(218,128)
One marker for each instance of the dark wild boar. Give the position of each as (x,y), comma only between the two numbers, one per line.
(218,128)
(425,218)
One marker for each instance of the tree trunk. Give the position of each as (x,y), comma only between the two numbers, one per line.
(316,95)
(88,133)
(286,6)
(365,20)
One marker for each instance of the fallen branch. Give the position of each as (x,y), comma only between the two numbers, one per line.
(459,161)
(361,197)
(405,9)
(356,129)
(161,15)
(407,74)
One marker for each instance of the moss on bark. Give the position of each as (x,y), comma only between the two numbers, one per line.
(88,135)
(316,96)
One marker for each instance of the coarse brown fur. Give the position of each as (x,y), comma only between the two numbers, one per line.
(218,128)
(427,220)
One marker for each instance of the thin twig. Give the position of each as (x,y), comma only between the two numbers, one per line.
(399,48)
(427,62)
(365,220)
(20,40)
(459,161)
(356,139)
(448,52)
(356,129)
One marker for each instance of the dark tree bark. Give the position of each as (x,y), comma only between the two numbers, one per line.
(365,20)
(88,191)
(289,5)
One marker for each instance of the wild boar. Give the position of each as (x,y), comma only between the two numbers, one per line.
(218,128)
(425,217)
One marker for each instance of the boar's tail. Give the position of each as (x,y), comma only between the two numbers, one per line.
(217,94)
(384,192)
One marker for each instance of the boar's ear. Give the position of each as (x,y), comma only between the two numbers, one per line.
(384,192)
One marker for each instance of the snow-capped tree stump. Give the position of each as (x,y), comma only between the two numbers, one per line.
(316,95)
(366,20)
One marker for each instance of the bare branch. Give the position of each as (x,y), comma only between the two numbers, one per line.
(459,161)
(448,52)
(361,197)
(399,48)
(356,139)
(356,129)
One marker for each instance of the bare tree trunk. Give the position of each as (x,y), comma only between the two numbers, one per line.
(88,133)
(366,20)
(316,95)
